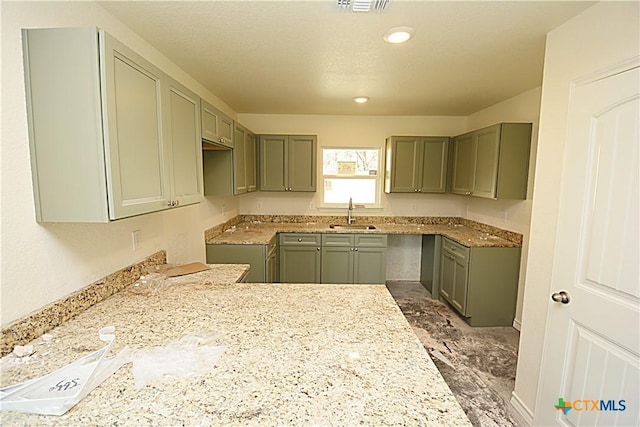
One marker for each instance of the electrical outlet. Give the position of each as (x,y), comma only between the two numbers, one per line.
(413,207)
(312,205)
(258,205)
(135,239)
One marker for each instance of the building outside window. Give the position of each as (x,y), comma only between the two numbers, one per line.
(351,173)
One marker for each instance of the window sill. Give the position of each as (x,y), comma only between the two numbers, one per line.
(333,209)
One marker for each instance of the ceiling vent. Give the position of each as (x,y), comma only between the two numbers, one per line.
(363,5)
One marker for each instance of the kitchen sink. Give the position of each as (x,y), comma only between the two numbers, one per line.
(352,227)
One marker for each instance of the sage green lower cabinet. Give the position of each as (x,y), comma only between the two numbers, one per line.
(300,257)
(254,255)
(354,258)
(481,283)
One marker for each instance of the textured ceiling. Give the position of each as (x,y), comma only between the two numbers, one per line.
(308,57)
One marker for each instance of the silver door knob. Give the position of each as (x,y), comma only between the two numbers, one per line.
(561,296)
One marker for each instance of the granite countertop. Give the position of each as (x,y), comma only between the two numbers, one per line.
(262,232)
(312,354)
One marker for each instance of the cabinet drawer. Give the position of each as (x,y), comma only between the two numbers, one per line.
(371,240)
(455,248)
(337,240)
(300,239)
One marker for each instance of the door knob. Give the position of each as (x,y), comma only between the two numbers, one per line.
(561,296)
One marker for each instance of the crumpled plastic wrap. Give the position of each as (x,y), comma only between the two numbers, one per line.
(190,356)
(60,390)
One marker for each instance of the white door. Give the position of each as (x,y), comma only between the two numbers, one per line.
(590,374)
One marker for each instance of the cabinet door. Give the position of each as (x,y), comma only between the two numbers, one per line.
(273,156)
(370,258)
(250,162)
(186,148)
(225,130)
(137,171)
(460,284)
(239,166)
(79,194)
(300,264)
(337,264)
(464,155)
(216,126)
(486,167)
(433,165)
(301,163)
(403,170)
(370,265)
(447,275)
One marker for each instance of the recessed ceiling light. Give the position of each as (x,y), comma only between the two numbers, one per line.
(361,99)
(398,35)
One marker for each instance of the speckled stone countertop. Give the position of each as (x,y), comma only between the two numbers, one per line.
(299,355)
(254,230)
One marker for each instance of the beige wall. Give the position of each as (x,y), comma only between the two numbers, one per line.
(603,35)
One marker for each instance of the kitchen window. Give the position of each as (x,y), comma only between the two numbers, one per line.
(351,173)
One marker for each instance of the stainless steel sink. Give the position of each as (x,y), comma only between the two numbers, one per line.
(352,227)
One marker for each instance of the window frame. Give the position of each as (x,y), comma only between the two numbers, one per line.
(378,179)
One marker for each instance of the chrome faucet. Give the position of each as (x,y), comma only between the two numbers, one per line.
(350,218)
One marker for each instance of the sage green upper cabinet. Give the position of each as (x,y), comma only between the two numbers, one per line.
(244,160)
(251,166)
(103,122)
(186,149)
(216,126)
(231,172)
(492,162)
(239,165)
(464,155)
(288,162)
(416,164)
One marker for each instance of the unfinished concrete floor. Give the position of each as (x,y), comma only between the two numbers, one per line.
(478,364)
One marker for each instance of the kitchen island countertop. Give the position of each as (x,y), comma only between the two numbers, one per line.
(295,354)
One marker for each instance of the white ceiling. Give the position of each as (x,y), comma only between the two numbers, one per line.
(309,57)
